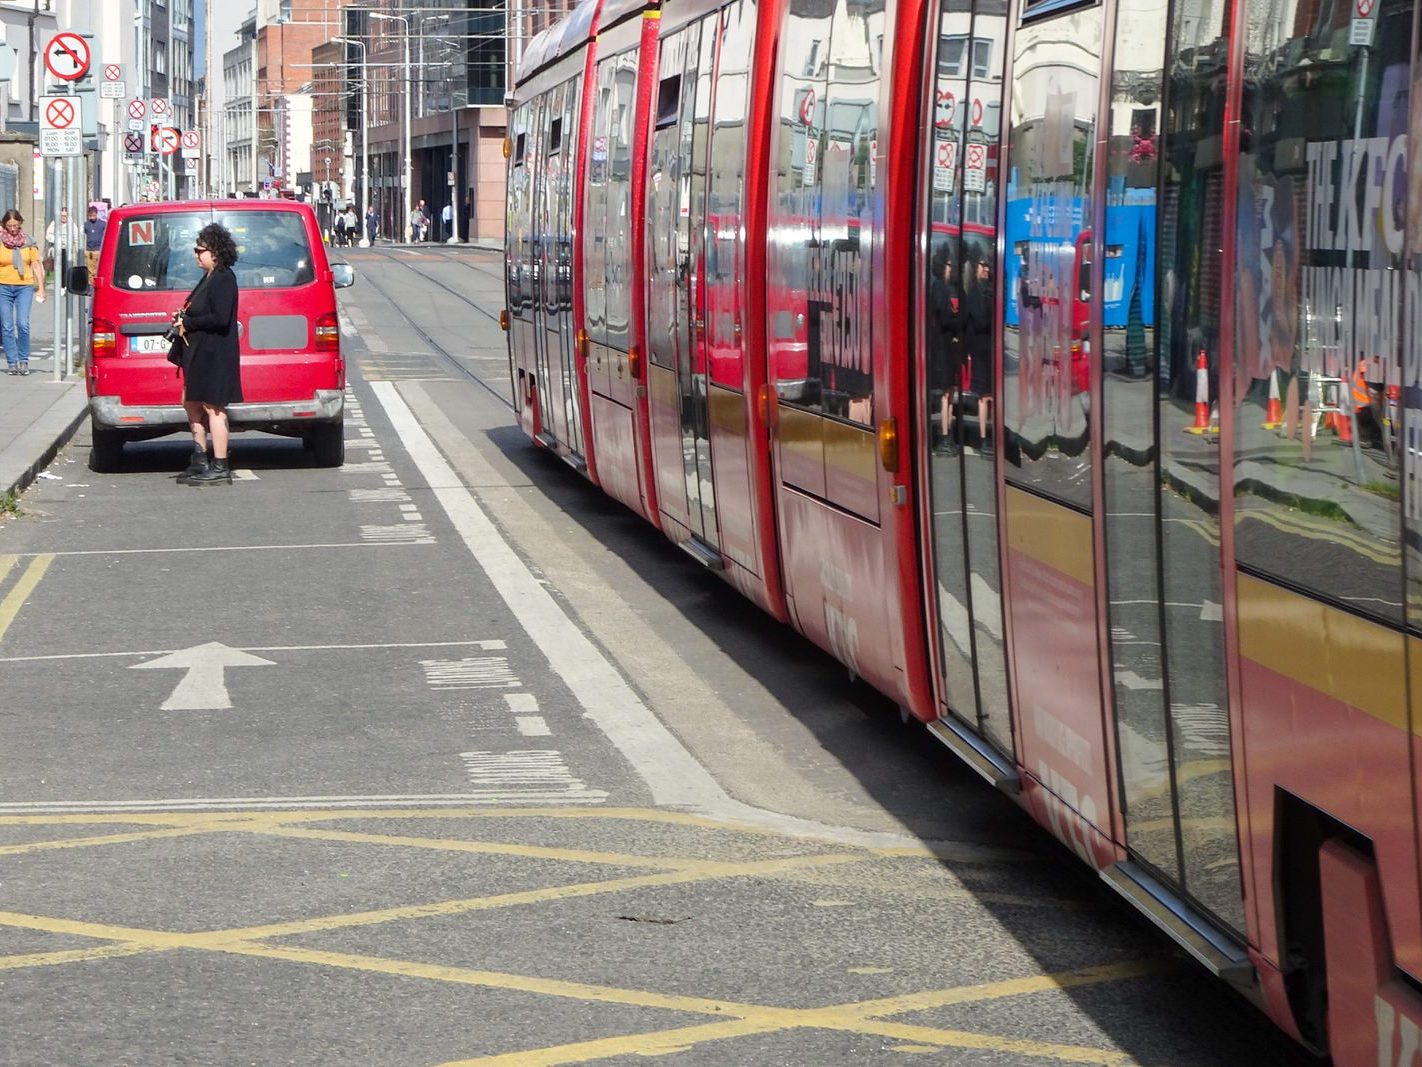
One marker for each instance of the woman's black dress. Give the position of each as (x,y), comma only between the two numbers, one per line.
(981,309)
(210,370)
(945,329)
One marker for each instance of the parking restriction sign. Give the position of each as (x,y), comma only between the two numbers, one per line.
(61,126)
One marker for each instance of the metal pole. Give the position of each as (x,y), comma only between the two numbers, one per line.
(365,138)
(409,190)
(454,170)
(53,294)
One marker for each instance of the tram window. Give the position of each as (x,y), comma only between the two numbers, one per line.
(1050,314)
(1320,277)
(555,137)
(519,149)
(668,100)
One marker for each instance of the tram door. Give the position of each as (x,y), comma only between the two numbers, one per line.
(556,375)
(676,279)
(958,309)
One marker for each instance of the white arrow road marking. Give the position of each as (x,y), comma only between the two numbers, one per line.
(204,687)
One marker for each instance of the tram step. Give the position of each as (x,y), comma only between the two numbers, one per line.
(703,553)
(1224,955)
(977,754)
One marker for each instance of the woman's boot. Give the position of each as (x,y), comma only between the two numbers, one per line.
(197,465)
(217,473)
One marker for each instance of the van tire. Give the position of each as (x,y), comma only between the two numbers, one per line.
(105,447)
(328,444)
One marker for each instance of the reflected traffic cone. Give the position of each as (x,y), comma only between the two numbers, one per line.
(1394,400)
(1343,423)
(1274,415)
(1202,397)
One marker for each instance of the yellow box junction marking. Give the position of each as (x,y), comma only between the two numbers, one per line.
(731,1019)
(24,586)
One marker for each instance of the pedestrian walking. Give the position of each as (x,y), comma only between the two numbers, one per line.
(352,225)
(339,228)
(93,239)
(207,351)
(58,238)
(446,216)
(372,224)
(21,283)
(418,221)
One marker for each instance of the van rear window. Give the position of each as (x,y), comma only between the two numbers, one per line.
(155,252)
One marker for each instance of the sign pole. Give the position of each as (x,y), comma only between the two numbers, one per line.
(53,294)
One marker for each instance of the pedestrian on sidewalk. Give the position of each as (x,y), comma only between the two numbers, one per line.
(93,239)
(446,216)
(21,283)
(207,331)
(372,223)
(418,221)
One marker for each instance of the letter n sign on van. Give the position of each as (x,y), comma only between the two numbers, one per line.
(140,233)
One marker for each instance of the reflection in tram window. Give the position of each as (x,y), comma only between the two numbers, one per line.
(1047,321)
(821,340)
(960,303)
(1318,309)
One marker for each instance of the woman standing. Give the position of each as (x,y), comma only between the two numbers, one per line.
(207,331)
(945,345)
(21,283)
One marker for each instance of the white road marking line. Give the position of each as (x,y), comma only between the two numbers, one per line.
(541,770)
(671,773)
(412,516)
(525,702)
(378,496)
(491,645)
(245,475)
(211,548)
(300,803)
(415,533)
(532,726)
(409,507)
(366,468)
(476,672)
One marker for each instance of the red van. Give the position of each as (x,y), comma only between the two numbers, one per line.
(293,376)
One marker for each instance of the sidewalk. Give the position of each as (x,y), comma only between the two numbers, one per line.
(37,414)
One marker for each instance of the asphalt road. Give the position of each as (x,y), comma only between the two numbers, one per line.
(442,757)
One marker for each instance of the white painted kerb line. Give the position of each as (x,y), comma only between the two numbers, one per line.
(670,771)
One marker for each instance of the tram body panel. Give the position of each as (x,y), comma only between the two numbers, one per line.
(1054,652)
(1327,718)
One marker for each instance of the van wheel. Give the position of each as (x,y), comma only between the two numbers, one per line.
(328,444)
(105,447)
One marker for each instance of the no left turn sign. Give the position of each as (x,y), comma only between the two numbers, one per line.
(67,56)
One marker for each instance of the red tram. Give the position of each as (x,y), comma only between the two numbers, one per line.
(1158,574)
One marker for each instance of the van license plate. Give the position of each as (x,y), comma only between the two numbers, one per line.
(150,345)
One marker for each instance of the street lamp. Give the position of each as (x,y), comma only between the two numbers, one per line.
(407,180)
(364,126)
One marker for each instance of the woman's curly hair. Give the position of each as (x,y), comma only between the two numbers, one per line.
(216,239)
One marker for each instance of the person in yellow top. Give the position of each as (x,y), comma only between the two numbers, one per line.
(21,283)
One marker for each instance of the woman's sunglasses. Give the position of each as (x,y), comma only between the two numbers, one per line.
(200,251)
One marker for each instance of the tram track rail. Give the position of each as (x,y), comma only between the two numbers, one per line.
(425,336)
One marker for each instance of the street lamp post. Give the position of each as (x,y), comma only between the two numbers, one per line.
(364,127)
(407,181)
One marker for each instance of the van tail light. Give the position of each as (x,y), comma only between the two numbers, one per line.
(328,333)
(104,339)
(634,363)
